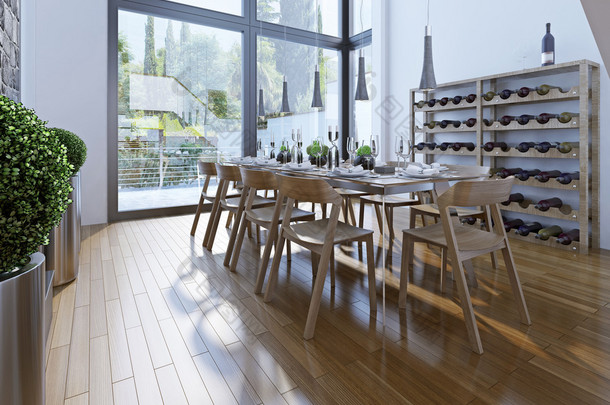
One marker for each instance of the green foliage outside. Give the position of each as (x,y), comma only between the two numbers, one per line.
(34,183)
(76,148)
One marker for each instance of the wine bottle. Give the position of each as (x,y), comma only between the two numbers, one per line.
(566,117)
(430,124)
(431,102)
(543,147)
(489,146)
(548,47)
(566,238)
(515,197)
(545,88)
(504,94)
(525,174)
(546,233)
(445,123)
(429,145)
(525,230)
(470,122)
(545,117)
(468,220)
(515,223)
(458,145)
(525,146)
(566,178)
(506,119)
(543,177)
(524,91)
(487,122)
(470,98)
(457,99)
(544,205)
(494,170)
(443,146)
(525,118)
(420,103)
(488,96)
(504,173)
(566,147)
(443,101)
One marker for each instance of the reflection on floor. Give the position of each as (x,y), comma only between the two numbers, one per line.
(153,318)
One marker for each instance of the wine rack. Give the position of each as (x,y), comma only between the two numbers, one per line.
(579,83)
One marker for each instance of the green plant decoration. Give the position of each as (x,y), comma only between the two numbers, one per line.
(314,148)
(34,184)
(77,150)
(363,150)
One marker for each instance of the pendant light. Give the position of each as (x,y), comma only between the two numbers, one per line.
(428,82)
(285,106)
(361,93)
(261,104)
(316,102)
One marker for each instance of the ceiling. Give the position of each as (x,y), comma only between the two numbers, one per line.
(597,12)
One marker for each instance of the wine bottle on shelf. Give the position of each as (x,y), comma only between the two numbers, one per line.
(470,122)
(543,177)
(430,124)
(515,223)
(489,146)
(566,117)
(468,220)
(548,47)
(506,119)
(525,146)
(566,238)
(494,170)
(443,146)
(525,118)
(445,123)
(566,178)
(524,91)
(545,117)
(544,205)
(420,103)
(459,145)
(545,88)
(457,100)
(515,197)
(525,174)
(504,94)
(443,101)
(431,102)
(489,95)
(525,230)
(566,147)
(470,98)
(543,147)
(546,233)
(504,173)
(487,122)
(429,145)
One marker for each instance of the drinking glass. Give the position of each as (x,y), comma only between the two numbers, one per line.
(398,149)
(352,146)
(317,150)
(260,151)
(375,149)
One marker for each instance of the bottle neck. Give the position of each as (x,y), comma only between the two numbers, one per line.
(548,28)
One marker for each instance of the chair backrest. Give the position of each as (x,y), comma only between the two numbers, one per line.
(472,193)
(258,179)
(206,168)
(227,172)
(304,189)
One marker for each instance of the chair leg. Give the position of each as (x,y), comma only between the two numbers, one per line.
(262,270)
(332,269)
(350,207)
(324,211)
(275,266)
(229,219)
(405,264)
(515,285)
(239,241)
(289,251)
(469,318)
(258,234)
(389,216)
(214,229)
(361,225)
(412,215)
(318,288)
(236,225)
(345,213)
(370,265)
(378,215)
(213,214)
(443,269)
(315,258)
(197,215)
(249,228)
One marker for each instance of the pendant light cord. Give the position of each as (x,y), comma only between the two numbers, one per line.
(362,29)
(428,14)
(285,45)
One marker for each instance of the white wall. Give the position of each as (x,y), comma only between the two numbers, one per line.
(64,79)
(474,38)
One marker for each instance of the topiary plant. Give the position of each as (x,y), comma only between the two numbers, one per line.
(77,150)
(34,184)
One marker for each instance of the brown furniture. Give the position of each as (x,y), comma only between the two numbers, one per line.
(465,242)
(319,236)
(391,202)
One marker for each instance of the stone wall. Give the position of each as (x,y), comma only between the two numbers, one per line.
(10,40)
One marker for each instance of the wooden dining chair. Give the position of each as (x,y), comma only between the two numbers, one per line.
(255,181)
(227,174)
(465,242)
(390,202)
(319,236)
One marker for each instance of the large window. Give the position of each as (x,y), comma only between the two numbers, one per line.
(179,100)
(224,6)
(301,14)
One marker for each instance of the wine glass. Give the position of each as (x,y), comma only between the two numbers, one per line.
(259,148)
(375,149)
(399,148)
(352,146)
(317,150)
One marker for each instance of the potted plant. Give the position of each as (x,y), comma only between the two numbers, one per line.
(34,188)
(63,250)
(284,155)
(314,149)
(364,158)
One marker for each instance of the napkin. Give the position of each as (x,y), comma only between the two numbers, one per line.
(245,159)
(265,162)
(343,170)
(304,165)
(415,169)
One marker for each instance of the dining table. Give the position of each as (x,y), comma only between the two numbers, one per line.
(372,183)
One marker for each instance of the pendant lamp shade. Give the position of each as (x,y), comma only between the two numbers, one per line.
(261,105)
(316,102)
(428,81)
(285,106)
(361,93)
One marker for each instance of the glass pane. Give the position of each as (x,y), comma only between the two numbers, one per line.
(297,61)
(225,6)
(361,16)
(179,100)
(301,14)
(363,109)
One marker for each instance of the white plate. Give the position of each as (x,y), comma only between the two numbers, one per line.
(352,174)
(301,168)
(419,176)
(270,164)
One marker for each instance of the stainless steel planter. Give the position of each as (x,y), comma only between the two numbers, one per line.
(64,247)
(21,335)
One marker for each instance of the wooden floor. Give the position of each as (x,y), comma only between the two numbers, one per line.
(155,319)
